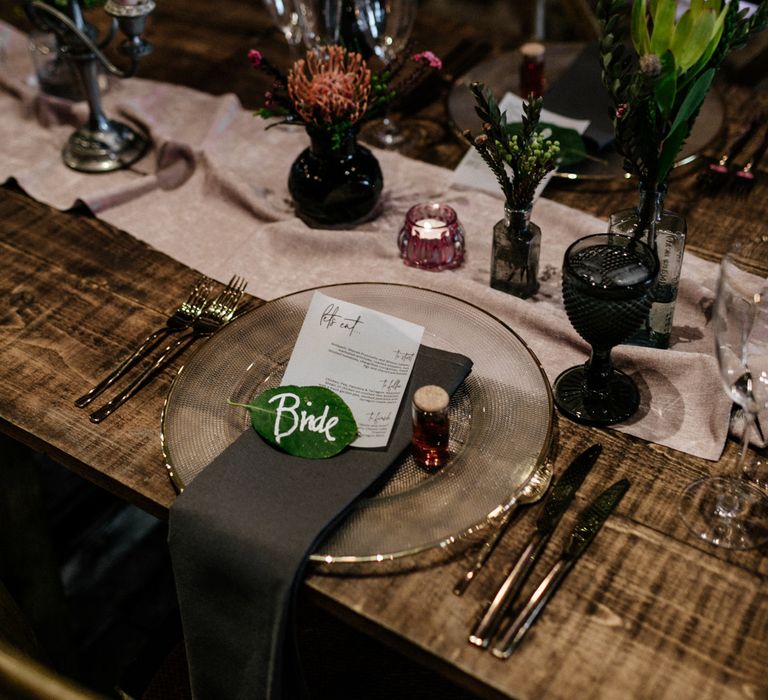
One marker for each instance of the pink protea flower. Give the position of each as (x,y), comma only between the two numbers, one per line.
(254,56)
(429,58)
(330,86)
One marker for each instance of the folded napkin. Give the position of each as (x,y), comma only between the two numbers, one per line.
(580,94)
(240,536)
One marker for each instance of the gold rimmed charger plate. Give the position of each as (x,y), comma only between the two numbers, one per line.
(501,419)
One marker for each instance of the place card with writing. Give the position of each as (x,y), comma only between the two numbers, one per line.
(363,355)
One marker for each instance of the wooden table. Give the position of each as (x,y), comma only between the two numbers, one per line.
(649,612)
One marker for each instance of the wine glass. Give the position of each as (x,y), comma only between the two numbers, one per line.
(608,281)
(386,26)
(730,511)
(321,22)
(285,16)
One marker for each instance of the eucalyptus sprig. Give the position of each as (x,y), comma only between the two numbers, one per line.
(519,157)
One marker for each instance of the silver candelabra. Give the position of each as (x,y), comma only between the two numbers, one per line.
(101,144)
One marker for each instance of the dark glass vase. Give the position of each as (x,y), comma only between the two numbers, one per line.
(515,257)
(335,184)
(665,232)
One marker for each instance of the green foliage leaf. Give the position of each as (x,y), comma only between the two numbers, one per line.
(666,85)
(693,99)
(308,421)
(663,26)
(640,36)
(692,37)
(681,126)
(717,34)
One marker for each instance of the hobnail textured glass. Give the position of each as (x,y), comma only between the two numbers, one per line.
(604,316)
(607,291)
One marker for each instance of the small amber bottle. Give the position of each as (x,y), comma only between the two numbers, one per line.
(532,70)
(431,426)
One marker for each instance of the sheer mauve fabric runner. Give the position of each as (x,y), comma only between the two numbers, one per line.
(213,194)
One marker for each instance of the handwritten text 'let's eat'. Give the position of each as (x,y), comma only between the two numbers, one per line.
(330,318)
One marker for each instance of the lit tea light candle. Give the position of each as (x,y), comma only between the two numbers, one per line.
(432,237)
(430,228)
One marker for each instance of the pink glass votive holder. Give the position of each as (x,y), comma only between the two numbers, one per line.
(432,237)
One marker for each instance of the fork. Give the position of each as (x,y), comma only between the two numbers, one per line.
(181,319)
(717,173)
(744,179)
(217,313)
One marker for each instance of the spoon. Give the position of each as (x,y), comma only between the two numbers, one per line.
(533,491)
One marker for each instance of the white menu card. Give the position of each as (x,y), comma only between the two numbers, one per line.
(363,355)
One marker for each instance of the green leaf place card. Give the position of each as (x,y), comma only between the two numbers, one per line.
(363,355)
(306,421)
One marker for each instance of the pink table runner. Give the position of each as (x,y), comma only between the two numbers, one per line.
(213,194)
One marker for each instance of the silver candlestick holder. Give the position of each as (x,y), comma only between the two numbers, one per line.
(101,144)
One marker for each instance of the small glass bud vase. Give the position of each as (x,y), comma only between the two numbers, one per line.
(515,257)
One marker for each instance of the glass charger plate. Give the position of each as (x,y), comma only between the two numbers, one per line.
(500,74)
(501,418)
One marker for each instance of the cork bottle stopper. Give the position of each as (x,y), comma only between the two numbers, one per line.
(431,399)
(533,51)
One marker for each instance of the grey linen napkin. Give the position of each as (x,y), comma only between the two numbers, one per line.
(580,94)
(240,535)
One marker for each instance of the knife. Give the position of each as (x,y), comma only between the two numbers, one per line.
(587,526)
(556,504)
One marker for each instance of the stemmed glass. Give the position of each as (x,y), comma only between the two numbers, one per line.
(386,26)
(608,281)
(730,511)
(285,16)
(321,22)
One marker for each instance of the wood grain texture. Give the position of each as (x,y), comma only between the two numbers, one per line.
(648,612)
(76,295)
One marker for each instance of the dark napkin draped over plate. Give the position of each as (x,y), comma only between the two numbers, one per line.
(240,535)
(579,93)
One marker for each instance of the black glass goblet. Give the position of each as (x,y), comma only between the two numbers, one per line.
(607,283)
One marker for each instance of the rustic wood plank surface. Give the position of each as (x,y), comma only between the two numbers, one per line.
(77,294)
(648,612)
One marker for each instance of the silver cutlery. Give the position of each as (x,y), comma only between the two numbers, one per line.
(744,179)
(532,492)
(587,526)
(558,501)
(181,319)
(217,313)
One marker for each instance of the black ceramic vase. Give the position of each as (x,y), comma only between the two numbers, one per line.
(335,184)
